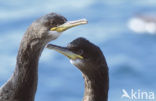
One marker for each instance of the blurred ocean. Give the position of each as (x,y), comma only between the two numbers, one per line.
(131,57)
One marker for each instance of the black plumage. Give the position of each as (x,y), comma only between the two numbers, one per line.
(89,59)
(23,83)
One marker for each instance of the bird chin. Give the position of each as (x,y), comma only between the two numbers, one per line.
(77,62)
(54,34)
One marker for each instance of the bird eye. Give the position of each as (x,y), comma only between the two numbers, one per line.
(55,24)
(80,52)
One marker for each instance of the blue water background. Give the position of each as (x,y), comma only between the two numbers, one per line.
(131,57)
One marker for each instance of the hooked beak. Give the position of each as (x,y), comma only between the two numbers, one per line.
(65,51)
(68,25)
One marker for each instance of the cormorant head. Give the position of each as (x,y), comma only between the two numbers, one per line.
(82,53)
(50,26)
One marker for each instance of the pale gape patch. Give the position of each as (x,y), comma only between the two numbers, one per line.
(55,34)
(76,62)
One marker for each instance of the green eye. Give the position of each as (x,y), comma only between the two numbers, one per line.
(80,52)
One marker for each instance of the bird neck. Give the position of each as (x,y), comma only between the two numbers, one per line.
(96,85)
(25,77)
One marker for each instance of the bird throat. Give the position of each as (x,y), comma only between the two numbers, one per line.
(25,76)
(96,86)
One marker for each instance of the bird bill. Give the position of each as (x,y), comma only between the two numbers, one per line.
(64,51)
(69,24)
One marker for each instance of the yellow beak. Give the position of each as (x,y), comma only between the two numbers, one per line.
(68,25)
(65,51)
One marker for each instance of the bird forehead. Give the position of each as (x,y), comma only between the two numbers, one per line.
(51,19)
(70,45)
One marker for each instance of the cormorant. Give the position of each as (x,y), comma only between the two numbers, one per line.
(23,83)
(89,59)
